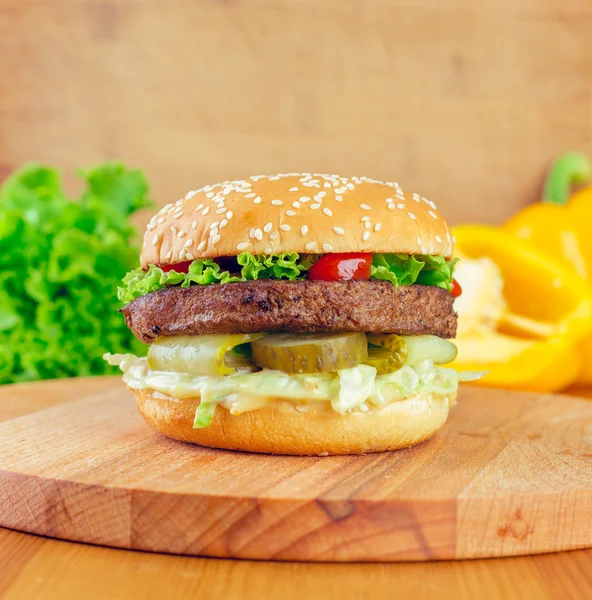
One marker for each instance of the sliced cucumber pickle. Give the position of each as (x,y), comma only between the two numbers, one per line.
(424,347)
(384,360)
(310,352)
(200,354)
(390,341)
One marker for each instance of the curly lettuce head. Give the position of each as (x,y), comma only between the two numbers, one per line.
(60,263)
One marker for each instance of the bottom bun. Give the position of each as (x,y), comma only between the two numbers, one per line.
(282,428)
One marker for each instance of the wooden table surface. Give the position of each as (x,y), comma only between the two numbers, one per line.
(34,567)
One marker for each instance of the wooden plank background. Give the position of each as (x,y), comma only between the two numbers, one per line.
(466,101)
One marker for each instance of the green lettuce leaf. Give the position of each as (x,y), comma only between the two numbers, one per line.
(403,269)
(204,414)
(205,271)
(60,261)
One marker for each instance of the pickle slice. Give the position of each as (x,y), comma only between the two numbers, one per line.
(424,347)
(383,360)
(310,352)
(390,341)
(200,354)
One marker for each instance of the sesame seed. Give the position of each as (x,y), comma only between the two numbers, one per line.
(257,200)
(189,256)
(365,236)
(194,225)
(188,243)
(365,218)
(214,224)
(213,232)
(201,245)
(338,198)
(327,248)
(432,214)
(290,213)
(274,178)
(252,232)
(268,251)
(322,193)
(182,254)
(160,220)
(198,208)
(274,235)
(267,228)
(304,229)
(327,184)
(296,204)
(250,195)
(454,239)
(294,189)
(419,241)
(177,215)
(155,239)
(339,230)
(242,246)
(318,197)
(304,199)
(391,206)
(424,250)
(229,214)
(315,206)
(165,209)
(412,216)
(365,207)
(285,227)
(215,239)
(168,255)
(258,234)
(367,224)
(400,205)
(173,230)
(210,195)
(448,237)
(277,202)
(327,211)
(181,234)
(349,186)
(389,200)
(310,246)
(223,223)
(205,211)
(438,239)
(220,211)
(377,226)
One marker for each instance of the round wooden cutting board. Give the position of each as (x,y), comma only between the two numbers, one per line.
(509,474)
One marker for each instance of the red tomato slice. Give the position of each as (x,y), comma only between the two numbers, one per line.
(182,267)
(456,290)
(341,267)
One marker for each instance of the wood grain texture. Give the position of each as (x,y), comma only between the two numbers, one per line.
(510,474)
(36,567)
(465,102)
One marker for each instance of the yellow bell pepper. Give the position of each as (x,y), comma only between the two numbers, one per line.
(561,226)
(547,311)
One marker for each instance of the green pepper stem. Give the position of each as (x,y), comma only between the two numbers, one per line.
(570,169)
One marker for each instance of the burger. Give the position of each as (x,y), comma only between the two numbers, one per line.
(300,314)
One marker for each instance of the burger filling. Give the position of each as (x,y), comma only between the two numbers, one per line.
(354,331)
(399,269)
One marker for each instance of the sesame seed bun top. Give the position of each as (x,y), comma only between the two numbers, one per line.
(293,212)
